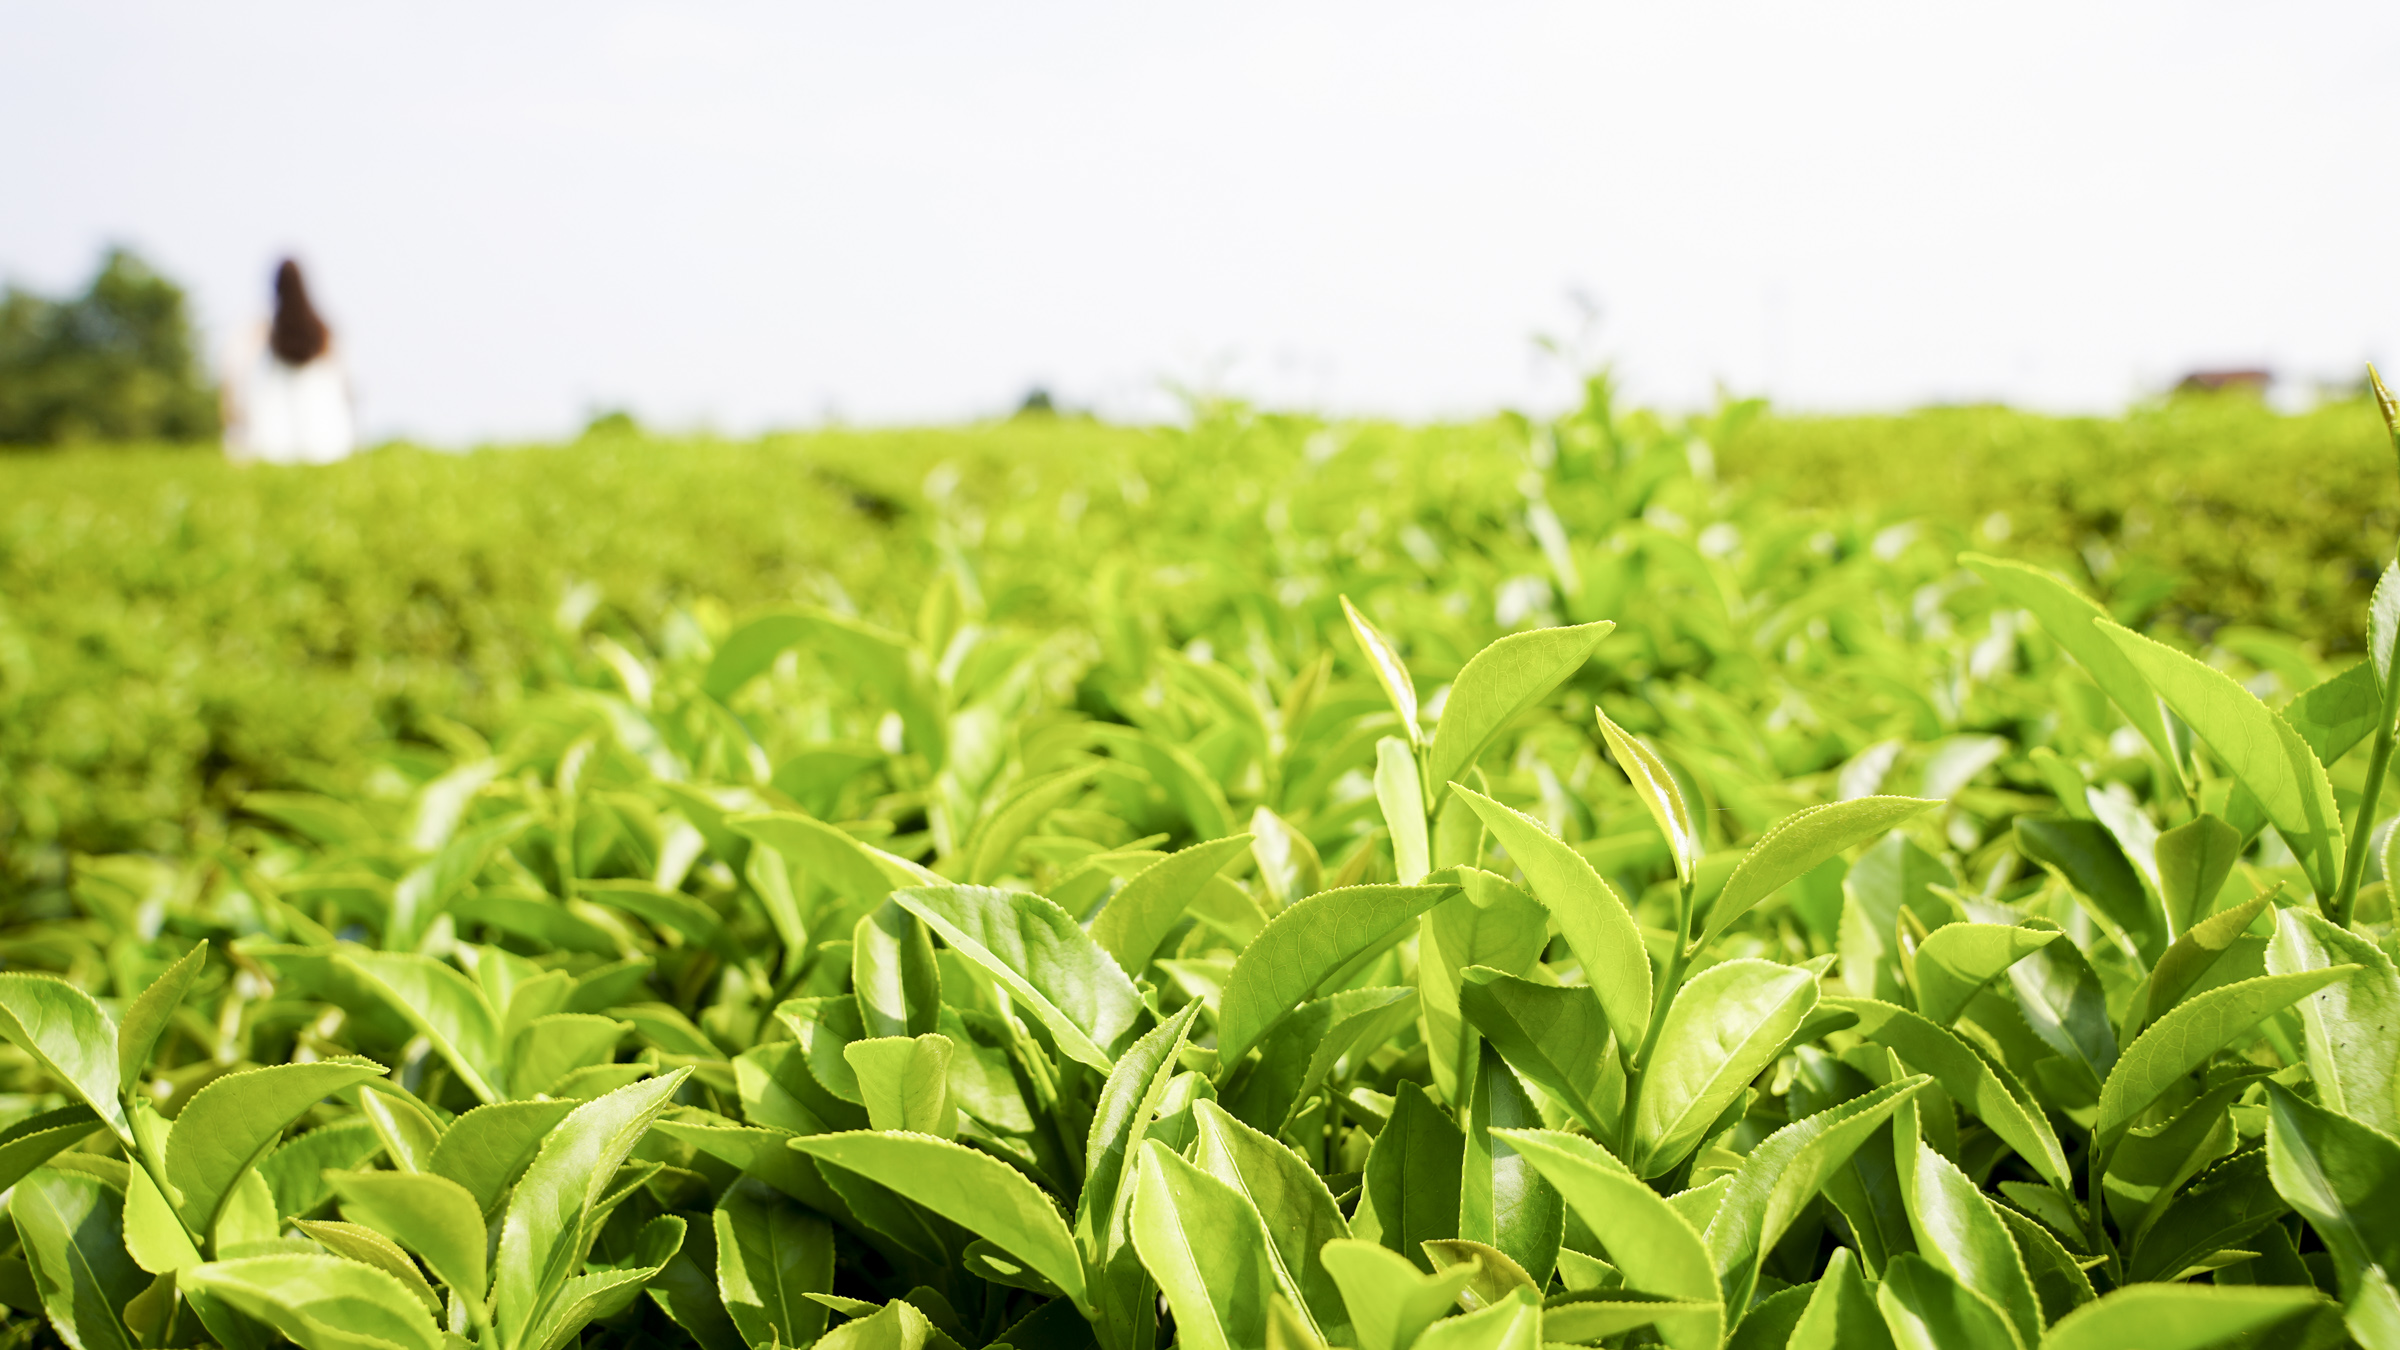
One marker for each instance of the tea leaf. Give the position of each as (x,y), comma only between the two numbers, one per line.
(1782,1174)
(893,972)
(1490,923)
(1298,1213)
(1138,917)
(994,846)
(551,1216)
(1655,784)
(552,1047)
(2067,616)
(906,1081)
(1516,1324)
(1927,1309)
(357,1242)
(2187,1035)
(855,870)
(597,1294)
(1410,1192)
(2353,1053)
(230,1125)
(71,1227)
(1958,1230)
(485,1149)
(1307,945)
(1503,1201)
(2383,607)
(147,1017)
(685,1289)
(1591,914)
(1497,684)
(2150,1164)
(2066,1006)
(1556,1036)
(1202,1241)
(1402,796)
(66,1033)
(2176,1316)
(322,1302)
(2342,1176)
(32,1141)
(2225,1208)
(445,1007)
(1967,1078)
(1725,1026)
(1390,1301)
(2087,856)
(1799,842)
(2058,1276)
(2194,859)
(1957,960)
(1123,1293)
(2255,742)
(966,1187)
(1073,987)
(1841,1313)
(1390,671)
(433,1216)
(1658,1252)
(154,1237)
(2189,961)
(2336,715)
(771,1254)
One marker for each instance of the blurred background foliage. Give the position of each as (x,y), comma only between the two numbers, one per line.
(116,363)
(2201,509)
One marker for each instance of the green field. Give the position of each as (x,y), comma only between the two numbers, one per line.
(1624,880)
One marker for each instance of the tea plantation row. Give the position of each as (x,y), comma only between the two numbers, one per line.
(174,633)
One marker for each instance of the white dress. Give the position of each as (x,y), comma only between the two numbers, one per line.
(296,414)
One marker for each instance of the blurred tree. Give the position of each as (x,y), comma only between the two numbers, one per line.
(612,422)
(116,363)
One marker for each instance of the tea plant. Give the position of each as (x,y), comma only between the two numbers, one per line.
(998,979)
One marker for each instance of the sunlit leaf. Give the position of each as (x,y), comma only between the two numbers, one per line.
(969,1188)
(1799,842)
(2255,742)
(1042,955)
(1307,945)
(2176,1316)
(71,1226)
(1138,917)
(1725,1026)
(1594,918)
(1655,785)
(1646,1239)
(2186,1036)
(323,1302)
(1499,683)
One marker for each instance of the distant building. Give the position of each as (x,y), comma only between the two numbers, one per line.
(2252,382)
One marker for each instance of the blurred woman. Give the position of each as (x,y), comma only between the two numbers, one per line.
(287,399)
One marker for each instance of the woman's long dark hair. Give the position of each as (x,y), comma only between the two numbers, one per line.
(299,335)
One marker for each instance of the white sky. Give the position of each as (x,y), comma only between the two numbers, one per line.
(756,215)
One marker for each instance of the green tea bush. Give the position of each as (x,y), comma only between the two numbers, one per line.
(176,632)
(1325,892)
